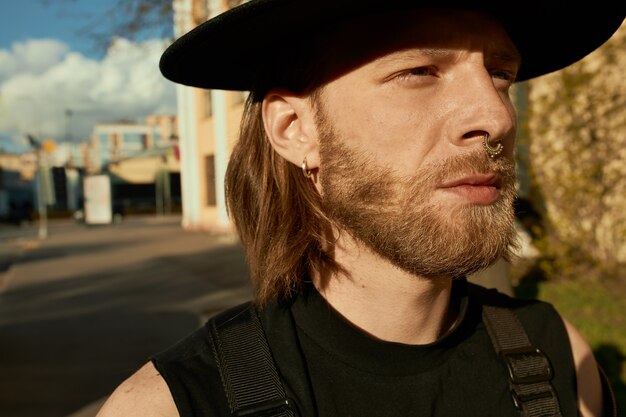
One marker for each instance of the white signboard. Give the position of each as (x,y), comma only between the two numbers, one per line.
(98,204)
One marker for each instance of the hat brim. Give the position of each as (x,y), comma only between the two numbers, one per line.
(229,51)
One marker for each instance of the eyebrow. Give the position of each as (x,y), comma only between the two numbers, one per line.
(408,55)
(506,56)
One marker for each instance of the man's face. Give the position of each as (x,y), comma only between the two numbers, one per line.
(402,165)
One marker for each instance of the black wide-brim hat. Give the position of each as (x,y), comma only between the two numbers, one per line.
(233,50)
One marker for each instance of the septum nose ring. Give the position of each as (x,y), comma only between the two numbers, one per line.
(492,151)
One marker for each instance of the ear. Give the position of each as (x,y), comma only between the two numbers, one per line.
(290,125)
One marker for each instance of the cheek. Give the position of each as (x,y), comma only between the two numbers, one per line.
(396,146)
(391,128)
(394,135)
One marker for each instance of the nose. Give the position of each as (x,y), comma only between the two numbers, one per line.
(484,114)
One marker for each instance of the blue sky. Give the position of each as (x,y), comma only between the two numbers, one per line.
(58,19)
(61,19)
(47,67)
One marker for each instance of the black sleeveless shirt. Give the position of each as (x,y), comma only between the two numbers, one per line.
(333,369)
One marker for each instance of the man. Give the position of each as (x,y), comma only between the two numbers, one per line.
(374,171)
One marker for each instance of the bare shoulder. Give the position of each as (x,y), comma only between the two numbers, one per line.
(144,393)
(587,374)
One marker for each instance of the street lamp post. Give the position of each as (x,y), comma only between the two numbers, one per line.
(37,146)
(41,193)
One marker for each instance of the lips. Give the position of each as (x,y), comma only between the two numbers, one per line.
(485,180)
(480,189)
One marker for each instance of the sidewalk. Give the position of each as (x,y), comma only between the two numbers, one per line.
(83,309)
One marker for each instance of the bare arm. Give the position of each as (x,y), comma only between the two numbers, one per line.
(145,393)
(587,375)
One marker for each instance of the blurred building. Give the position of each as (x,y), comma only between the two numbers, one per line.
(142,161)
(70,155)
(122,139)
(148,182)
(17,198)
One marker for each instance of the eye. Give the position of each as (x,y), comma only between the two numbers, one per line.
(505,75)
(416,73)
(422,71)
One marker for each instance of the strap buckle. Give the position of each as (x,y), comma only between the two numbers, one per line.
(278,407)
(520,399)
(526,365)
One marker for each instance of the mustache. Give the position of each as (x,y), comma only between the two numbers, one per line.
(376,183)
(476,162)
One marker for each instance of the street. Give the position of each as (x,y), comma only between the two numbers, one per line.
(83,309)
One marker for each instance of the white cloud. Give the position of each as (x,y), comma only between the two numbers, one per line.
(33,56)
(125,84)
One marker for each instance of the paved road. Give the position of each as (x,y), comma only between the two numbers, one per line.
(83,309)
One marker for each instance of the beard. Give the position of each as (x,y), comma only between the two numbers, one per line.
(398,218)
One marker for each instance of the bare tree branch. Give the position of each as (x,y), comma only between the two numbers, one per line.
(130,19)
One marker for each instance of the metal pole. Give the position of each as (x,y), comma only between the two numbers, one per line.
(158,183)
(41,194)
(42,200)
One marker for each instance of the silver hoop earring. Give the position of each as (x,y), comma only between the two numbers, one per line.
(305,169)
(492,151)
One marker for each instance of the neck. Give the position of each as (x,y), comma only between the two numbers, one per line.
(384,301)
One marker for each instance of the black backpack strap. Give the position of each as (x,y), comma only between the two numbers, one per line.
(529,370)
(609,403)
(249,376)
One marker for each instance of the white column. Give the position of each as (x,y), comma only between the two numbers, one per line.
(189,169)
(220,135)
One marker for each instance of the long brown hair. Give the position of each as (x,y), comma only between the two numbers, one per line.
(277,213)
(277,210)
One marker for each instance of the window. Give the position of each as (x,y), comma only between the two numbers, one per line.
(132,142)
(208,104)
(105,148)
(209,166)
(104,141)
(157,139)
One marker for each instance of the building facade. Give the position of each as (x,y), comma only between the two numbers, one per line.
(113,141)
(208,124)
(142,161)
